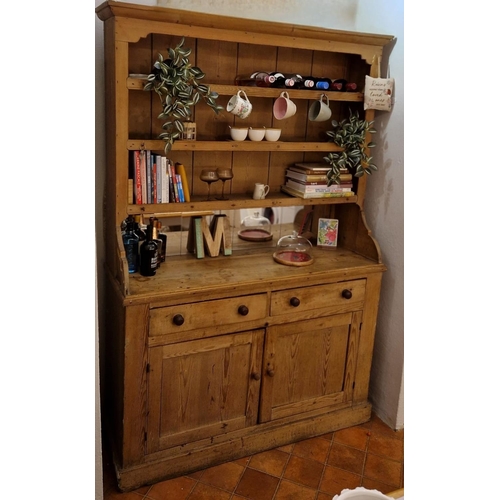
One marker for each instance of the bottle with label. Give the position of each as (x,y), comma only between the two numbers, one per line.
(153,221)
(149,254)
(279,79)
(351,87)
(163,237)
(308,82)
(323,83)
(257,79)
(131,245)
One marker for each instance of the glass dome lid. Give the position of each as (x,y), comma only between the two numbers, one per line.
(294,250)
(255,227)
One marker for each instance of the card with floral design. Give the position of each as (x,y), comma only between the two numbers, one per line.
(328,230)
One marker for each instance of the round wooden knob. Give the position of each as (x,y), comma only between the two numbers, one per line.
(178,319)
(256,376)
(270,372)
(243,310)
(347,294)
(295,302)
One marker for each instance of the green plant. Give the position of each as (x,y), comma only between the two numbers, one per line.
(176,82)
(350,134)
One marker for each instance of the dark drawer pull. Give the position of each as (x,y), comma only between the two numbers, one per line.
(295,302)
(243,310)
(347,294)
(256,376)
(178,319)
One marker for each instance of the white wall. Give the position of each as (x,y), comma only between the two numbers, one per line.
(384,202)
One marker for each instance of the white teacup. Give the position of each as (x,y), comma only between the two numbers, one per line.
(283,107)
(260,191)
(320,111)
(239,106)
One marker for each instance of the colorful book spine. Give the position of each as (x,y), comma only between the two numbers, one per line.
(170,182)
(181,169)
(148,177)
(300,194)
(334,188)
(180,190)
(137,178)
(154,180)
(144,192)
(158,179)
(164,180)
(314,178)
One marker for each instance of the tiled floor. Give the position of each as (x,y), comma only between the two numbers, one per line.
(369,455)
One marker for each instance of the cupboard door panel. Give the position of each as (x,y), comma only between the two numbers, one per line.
(203,388)
(309,365)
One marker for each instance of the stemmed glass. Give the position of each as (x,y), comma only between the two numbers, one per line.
(209,176)
(225,174)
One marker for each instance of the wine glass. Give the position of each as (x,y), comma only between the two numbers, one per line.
(225,174)
(209,176)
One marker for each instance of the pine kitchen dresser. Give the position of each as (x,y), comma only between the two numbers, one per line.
(218,358)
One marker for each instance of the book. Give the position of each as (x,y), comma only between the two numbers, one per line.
(179,188)
(144,192)
(181,169)
(154,180)
(149,185)
(300,194)
(171,192)
(158,179)
(174,182)
(311,168)
(164,180)
(321,178)
(334,188)
(137,178)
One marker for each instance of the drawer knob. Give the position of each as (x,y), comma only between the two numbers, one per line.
(256,376)
(295,302)
(347,294)
(243,310)
(270,372)
(178,319)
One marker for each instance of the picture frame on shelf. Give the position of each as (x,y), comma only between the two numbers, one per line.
(328,230)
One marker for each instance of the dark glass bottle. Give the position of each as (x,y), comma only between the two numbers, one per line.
(137,228)
(351,87)
(338,85)
(149,254)
(153,221)
(131,245)
(293,80)
(163,237)
(279,79)
(323,83)
(308,82)
(257,79)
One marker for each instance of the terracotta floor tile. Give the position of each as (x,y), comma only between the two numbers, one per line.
(287,448)
(178,488)
(225,476)
(387,446)
(304,471)
(328,436)
(195,475)
(257,485)
(335,480)
(371,484)
(314,449)
(379,426)
(347,458)
(292,491)
(383,470)
(242,461)
(357,437)
(206,492)
(272,462)
(323,496)
(118,495)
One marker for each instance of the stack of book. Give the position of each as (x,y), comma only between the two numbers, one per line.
(308,180)
(156,179)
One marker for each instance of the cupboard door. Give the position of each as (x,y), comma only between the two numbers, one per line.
(309,365)
(202,388)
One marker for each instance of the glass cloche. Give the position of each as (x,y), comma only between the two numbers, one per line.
(255,227)
(293,250)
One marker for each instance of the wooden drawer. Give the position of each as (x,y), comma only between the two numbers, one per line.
(209,314)
(339,297)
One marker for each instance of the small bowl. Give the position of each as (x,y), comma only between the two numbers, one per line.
(256,134)
(272,134)
(239,133)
